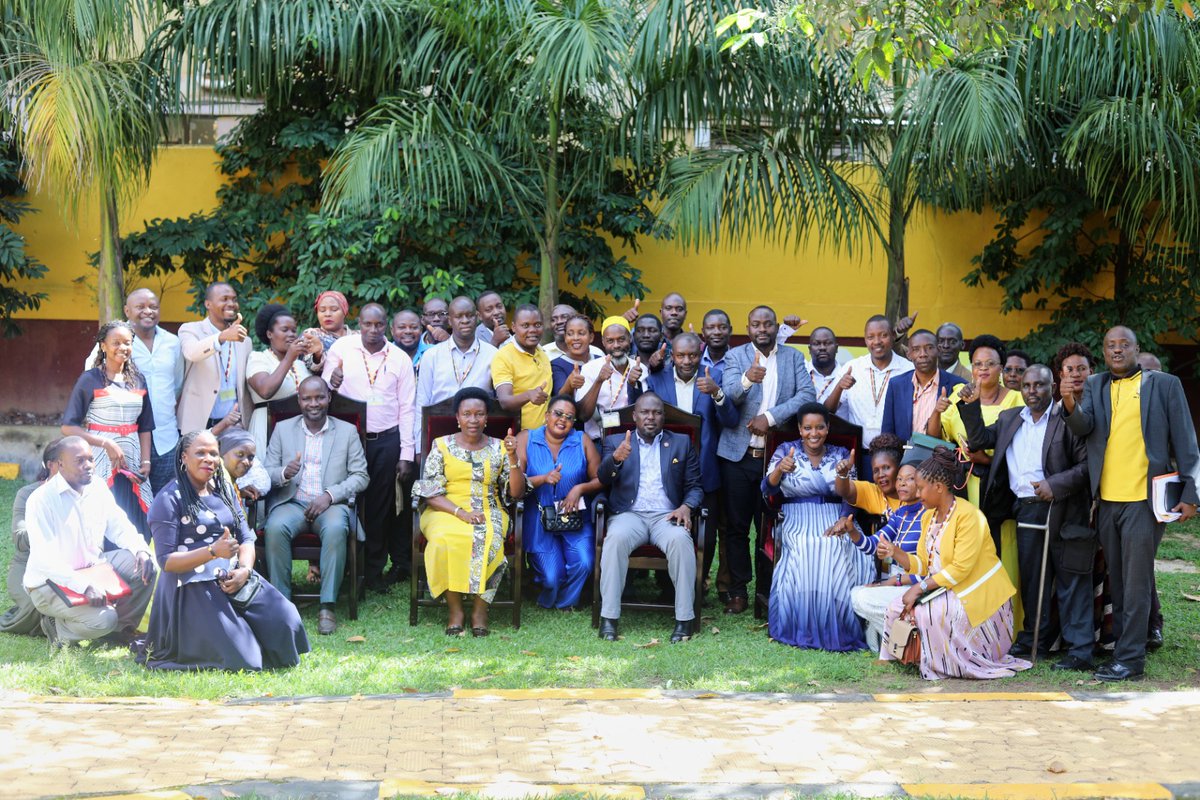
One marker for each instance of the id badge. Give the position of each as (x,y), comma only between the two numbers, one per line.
(227,395)
(610,420)
(374,399)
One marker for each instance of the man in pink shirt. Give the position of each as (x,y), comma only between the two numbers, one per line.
(367,367)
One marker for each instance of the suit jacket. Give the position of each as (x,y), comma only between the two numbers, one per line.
(795,389)
(1064,461)
(713,419)
(202,375)
(897,403)
(1171,434)
(680,472)
(343,462)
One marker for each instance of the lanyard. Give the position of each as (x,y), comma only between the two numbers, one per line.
(367,367)
(878,395)
(613,399)
(920,391)
(460,377)
(225,359)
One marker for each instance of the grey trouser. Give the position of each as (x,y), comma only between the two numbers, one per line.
(285,522)
(631,530)
(22,618)
(1130,534)
(79,623)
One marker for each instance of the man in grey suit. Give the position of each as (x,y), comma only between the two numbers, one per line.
(653,483)
(310,492)
(1134,423)
(767,383)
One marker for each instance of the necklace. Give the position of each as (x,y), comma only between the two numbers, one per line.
(935,527)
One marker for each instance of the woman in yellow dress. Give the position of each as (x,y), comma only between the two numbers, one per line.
(987,356)
(465,486)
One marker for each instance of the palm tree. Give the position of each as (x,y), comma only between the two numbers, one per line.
(86,106)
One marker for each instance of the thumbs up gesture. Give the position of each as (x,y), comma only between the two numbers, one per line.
(226,546)
(969,393)
(437,334)
(788,462)
(757,371)
(293,467)
(794,321)
(843,467)
(691,328)
(943,402)
(656,358)
(606,370)
(884,548)
(336,377)
(631,314)
(635,372)
(554,475)
(847,380)
(500,334)
(234,333)
(575,380)
(843,526)
(624,448)
(706,384)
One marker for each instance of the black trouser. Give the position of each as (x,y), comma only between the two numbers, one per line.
(1130,534)
(402,555)
(715,503)
(379,505)
(741,481)
(1073,590)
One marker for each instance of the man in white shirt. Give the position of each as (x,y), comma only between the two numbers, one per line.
(864,381)
(611,382)
(823,365)
(68,519)
(462,360)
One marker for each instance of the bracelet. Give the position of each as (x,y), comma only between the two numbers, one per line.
(146,461)
(456,510)
(924,586)
(843,476)
(212,552)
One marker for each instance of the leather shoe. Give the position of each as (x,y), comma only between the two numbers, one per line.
(608,629)
(1155,639)
(1073,664)
(682,632)
(326,622)
(1020,650)
(736,605)
(1116,671)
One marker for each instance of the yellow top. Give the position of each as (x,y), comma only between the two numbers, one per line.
(1123,478)
(523,371)
(869,498)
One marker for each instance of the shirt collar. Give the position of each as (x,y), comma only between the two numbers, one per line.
(1027,415)
(308,432)
(471,348)
(60,487)
(643,443)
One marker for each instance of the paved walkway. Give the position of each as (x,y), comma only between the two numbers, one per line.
(622,740)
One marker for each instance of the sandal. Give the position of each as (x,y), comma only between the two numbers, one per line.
(455,630)
(314,574)
(479,632)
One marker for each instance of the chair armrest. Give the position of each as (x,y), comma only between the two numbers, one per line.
(518,513)
(700,524)
(600,518)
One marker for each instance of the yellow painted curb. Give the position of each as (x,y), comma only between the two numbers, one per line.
(166,794)
(973,697)
(1039,791)
(509,789)
(558,694)
(10,471)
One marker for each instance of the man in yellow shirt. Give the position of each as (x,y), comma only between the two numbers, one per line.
(521,369)
(1125,453)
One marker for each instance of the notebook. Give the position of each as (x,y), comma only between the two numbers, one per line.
(100,576)
(1167,493)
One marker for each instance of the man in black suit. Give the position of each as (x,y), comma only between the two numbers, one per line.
(653,484)
(1134,423)
(1040,470)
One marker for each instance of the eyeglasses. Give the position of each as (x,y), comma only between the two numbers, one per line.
(1013,370)
(985,364)
(563,415)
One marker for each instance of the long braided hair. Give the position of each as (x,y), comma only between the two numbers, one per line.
(133,377)
(941,467)
(220,485)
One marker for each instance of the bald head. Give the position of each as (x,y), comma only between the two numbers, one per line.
(142,311)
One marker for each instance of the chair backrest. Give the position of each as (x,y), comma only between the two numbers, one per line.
(675,419)
(842,433)
(343,408)
(439,420)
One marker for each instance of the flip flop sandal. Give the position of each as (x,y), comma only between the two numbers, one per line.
(455,630)
(479,632)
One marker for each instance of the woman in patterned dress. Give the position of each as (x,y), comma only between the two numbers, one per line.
(110,409)
(966,630)
(466,483)
(810,588)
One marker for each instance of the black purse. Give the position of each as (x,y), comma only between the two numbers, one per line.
(556,521)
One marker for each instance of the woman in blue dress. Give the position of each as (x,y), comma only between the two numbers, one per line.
(561,465)
(810,589)
(203,615)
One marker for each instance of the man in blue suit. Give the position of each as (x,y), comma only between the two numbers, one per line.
(767,383)
(683,386)
(911,397)
(653,484)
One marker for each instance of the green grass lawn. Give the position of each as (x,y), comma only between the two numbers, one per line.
(560,649)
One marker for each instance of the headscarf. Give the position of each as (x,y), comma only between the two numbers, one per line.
(336,295)
(234,437)
(610,321)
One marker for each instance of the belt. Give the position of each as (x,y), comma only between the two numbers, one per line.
(756,452)
(815,499)
(1031,501)
(120,430)
(373,436)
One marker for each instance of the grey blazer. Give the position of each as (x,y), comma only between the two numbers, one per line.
(795,389)
(1166,427)
(343,462)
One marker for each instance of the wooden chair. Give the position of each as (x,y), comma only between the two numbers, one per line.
(649,557)
(307,546)
(436,421)
(766,550)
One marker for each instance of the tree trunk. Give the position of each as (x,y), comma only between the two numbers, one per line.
(110,280)
(548,279)
(896,304)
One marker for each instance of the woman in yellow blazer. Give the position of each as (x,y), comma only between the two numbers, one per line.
(966,630)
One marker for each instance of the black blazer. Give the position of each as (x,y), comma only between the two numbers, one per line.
(1166,427)
(680,472)
(1064,461)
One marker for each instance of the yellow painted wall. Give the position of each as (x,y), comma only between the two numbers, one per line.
(824,286)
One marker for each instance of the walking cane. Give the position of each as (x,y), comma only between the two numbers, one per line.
(1037,620)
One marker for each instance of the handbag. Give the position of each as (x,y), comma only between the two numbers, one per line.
(904,641)
(242,598)
(555,521)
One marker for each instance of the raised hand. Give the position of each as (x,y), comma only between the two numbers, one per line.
(884,549)
(234,333)
(844,466)
(500,334)
(624,448)
(843,526)
(226,546)
(554,475)
(691,328)
(437,334)
(293,467)
(969,393)
(757,371)
(336,377)
(510,445)
(313,342)
(847,380)
(635,372)
(631,314)
(574,380)
(943,402)
(905,324)
(706,384)
(787,463)
(794,321)
(537,395)
(606,370)
(297,348)
(656,358)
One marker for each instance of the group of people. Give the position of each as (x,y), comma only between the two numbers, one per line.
(970,468)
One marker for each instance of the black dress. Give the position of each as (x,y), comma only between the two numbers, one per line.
(192,623)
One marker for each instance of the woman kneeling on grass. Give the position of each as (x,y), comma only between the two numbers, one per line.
(967,630)
(210,610)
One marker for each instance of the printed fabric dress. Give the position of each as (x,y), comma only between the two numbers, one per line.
(459,556)
(811,585)
(193,624)
(561,561)
(902,529)
(112,410)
